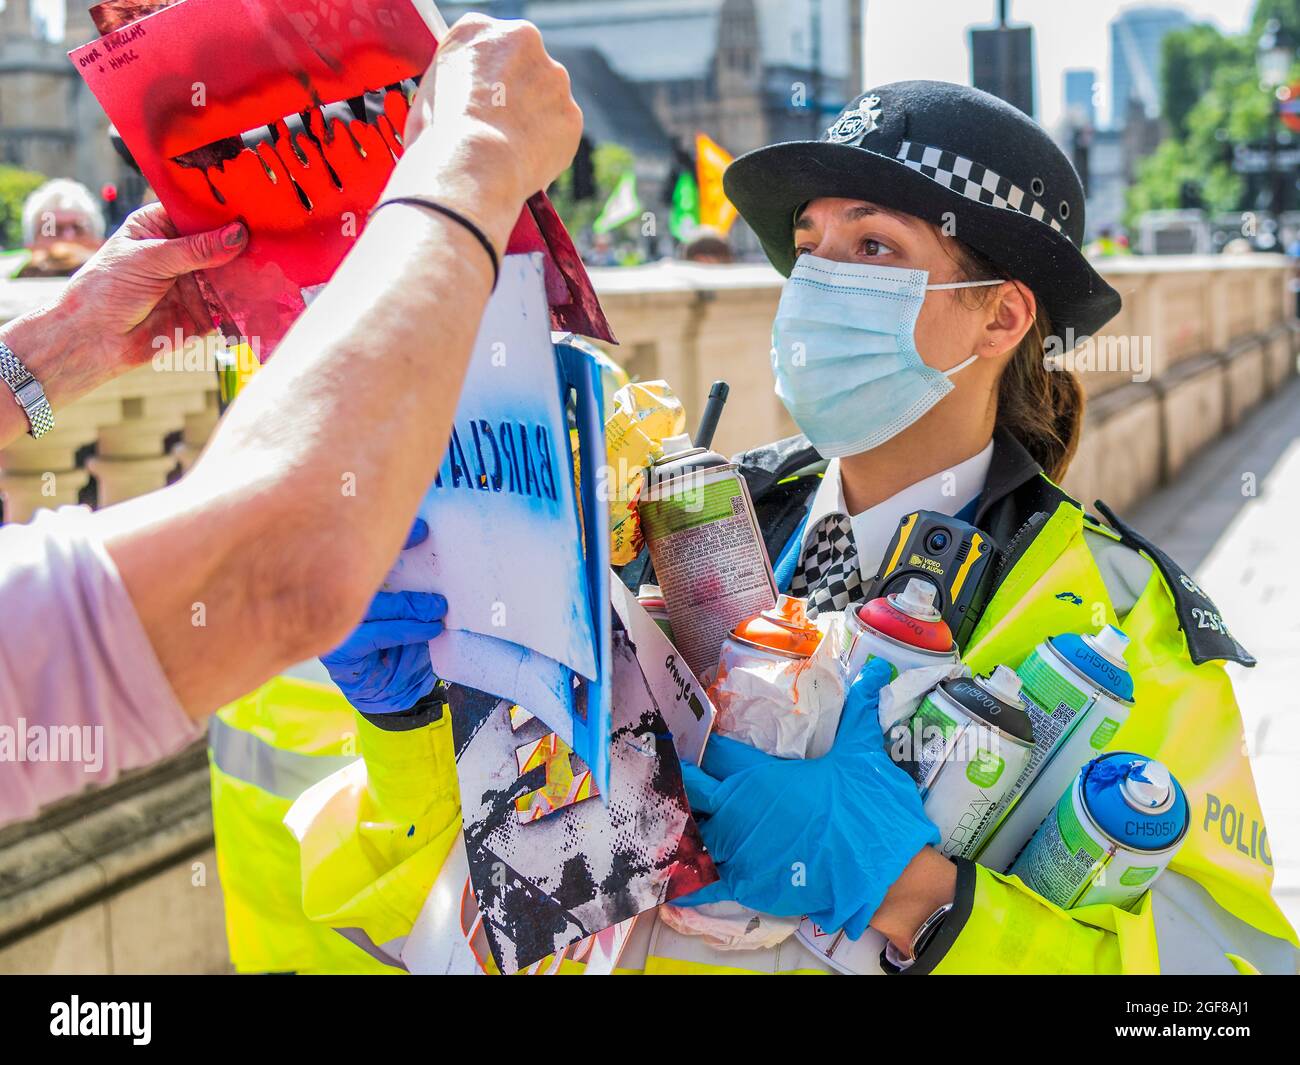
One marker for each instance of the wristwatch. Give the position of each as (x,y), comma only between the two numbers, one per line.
(893,960)
(27,392)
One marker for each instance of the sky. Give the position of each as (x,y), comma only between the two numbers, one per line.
(1068,34)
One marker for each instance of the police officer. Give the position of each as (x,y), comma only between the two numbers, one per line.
(931,241)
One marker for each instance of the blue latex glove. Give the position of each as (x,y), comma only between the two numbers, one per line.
(383,667)
(825,837)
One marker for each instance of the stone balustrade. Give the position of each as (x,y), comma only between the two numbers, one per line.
(1200,340)
(133,423)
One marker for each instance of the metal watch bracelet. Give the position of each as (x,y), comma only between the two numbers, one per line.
(27,392)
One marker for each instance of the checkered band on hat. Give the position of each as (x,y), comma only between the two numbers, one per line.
(973,180)
(828,575)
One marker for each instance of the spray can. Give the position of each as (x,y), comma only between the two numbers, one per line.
(966,745)
(783,632)
(1078,692)
(766,693)
(652,599)
(905,629)
(1113,832)
(708,552)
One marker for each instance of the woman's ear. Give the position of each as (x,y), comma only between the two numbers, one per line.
(1012,313)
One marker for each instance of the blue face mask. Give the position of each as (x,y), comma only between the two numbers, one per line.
(844,356)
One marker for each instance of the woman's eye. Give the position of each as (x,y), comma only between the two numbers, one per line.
(872,248)
(800,251)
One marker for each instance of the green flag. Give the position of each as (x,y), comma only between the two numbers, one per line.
(622,206)
(685,217)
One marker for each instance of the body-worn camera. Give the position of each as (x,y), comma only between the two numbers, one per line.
(954,556)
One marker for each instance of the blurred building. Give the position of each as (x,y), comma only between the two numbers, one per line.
(1002,62)
(1135,40)
(614,111)
(1099,155)
(1080,97)
(49,121)
(1107,183)
(746,72)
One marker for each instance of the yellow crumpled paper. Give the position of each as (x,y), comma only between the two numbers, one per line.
(642,415)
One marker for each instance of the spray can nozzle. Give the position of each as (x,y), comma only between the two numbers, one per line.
(1148,786)
(1003,683)
(1110,643)
(917,599)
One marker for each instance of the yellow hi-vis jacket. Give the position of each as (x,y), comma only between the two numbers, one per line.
(1210,912)
(265,750)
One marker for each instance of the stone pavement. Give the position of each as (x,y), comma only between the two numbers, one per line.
(1232,519)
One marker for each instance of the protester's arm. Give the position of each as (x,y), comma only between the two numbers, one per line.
(136,288)
(270,549)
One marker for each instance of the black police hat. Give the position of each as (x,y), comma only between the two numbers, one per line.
(944,153)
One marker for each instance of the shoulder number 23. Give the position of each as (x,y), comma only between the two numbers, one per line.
(1208,619)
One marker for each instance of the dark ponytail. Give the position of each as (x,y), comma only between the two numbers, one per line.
(1041,407)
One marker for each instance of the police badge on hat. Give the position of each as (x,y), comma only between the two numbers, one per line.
(855,123)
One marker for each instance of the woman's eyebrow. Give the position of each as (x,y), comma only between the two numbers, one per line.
(855,213)
(858,211)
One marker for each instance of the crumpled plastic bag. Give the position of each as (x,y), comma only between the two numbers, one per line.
(902,696)
(787,707)
(643,414)
(729,925)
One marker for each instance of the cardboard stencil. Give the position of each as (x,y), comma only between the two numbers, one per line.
(505,543)
(546,885)
(287,115)
(573,882)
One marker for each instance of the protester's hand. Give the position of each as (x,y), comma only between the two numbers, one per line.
(501,123)
(135,290)
(384,667)
(825,837)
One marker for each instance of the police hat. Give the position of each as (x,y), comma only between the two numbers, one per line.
(947,154)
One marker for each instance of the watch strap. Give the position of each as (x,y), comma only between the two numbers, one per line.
(27,392)
(893,959)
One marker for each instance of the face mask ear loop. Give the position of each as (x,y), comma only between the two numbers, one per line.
(960,366)
(965,284)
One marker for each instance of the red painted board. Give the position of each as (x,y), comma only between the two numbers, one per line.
(194,75)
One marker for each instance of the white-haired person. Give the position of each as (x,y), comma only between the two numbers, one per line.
(63,226)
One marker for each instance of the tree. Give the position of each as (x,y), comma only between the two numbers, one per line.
(1212,99)
(1188,62)
(610,162)
(15,186)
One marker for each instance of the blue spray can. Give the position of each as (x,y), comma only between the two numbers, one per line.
(1112,833)
(1078,692)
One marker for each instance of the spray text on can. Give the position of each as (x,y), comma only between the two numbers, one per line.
(1112,833)
(966,746)
(1078,692)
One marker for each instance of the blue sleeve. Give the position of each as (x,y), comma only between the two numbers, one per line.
(789,558)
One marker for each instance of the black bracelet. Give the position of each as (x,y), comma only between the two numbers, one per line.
(455,216)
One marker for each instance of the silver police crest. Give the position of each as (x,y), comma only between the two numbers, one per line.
(855,124)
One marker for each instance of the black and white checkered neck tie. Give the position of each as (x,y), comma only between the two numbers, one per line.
(828,575)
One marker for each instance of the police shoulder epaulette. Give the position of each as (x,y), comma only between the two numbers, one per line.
(1208,636)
